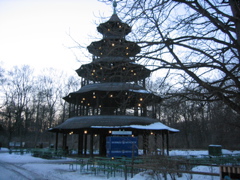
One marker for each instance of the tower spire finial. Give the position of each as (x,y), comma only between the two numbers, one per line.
(114,6)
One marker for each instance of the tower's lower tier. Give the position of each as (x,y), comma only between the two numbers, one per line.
(108,122)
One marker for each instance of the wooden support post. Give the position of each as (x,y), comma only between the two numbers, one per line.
(145,143)
(91,144)
(64,141)
(163,148)
(85,144)
(77,111)
(56,142)
(153,111)
(65,146)
(167,139)
(102,145)
(80,143)
(155,144)
(135,111)
(69,110)
(144,109)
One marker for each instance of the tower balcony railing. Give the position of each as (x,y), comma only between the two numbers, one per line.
(123,80)
(141,112)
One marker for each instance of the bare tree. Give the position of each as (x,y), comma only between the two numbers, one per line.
(194,44)
(31,103)
(17,95)
(200,122)
(69,84)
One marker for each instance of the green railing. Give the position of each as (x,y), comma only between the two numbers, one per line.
(162,164)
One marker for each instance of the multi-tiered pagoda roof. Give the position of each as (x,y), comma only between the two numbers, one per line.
(113,93)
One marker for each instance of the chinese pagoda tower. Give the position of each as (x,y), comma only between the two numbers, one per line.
(113,96)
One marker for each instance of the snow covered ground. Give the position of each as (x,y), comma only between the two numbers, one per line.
(26,167)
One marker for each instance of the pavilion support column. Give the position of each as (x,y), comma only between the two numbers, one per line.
(85,144)
(163,144)
(80,143)
(155,144)
(145,143)
(64,141)
(56,142)
(154,111)
(77,110)
(87,111)
(74,109)
(69,110)
(97,105)
(144,109)
(80,110)
(135,111)
(102,145)
(167,141)
(91,144)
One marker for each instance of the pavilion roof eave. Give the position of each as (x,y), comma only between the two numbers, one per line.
(112,87)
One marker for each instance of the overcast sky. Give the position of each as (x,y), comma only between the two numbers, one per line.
(35,32)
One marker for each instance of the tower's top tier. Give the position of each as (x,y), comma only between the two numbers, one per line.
(113,43)
(114,28)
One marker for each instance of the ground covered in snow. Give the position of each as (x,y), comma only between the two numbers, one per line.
(24,167)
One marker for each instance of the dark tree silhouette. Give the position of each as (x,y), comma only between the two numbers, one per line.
(194,45)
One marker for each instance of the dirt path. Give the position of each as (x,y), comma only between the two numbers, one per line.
(10,171)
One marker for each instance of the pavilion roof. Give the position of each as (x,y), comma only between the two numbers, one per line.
(112,122)
(112,87)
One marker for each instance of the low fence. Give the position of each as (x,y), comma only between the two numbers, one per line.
(157,164)
(230,172)
(19,151)
(48,153)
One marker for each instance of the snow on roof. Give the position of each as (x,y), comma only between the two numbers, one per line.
(111,87)
(140,91)
(212,145)
(153,126)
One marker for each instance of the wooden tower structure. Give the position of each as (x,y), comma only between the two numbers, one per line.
(113,96)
